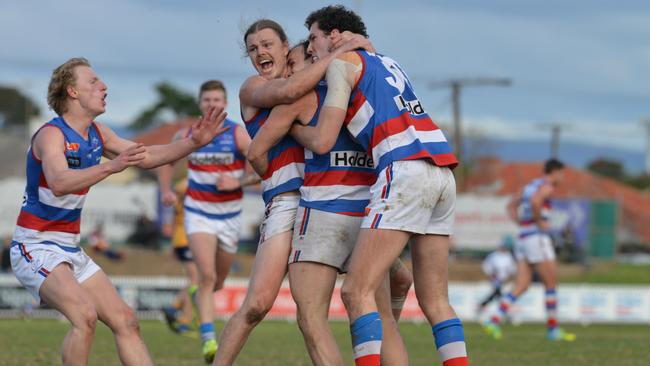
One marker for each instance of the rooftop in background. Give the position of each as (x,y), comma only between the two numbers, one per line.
(493,176)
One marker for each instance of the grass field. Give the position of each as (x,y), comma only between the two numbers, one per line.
(37,342)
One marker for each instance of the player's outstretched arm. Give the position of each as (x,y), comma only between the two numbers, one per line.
(47,146)
(262,93)
(277,125)
(342,75)
(156,155)
(226,182)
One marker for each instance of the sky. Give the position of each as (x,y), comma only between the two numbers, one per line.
(580,63)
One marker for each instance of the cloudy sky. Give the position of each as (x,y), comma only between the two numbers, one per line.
(584,63)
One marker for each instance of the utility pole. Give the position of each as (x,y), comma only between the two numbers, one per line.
(646,124)
(456,86)
(556,131)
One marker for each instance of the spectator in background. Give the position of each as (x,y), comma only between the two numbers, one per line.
(500,267)
(100,244)
(5,255)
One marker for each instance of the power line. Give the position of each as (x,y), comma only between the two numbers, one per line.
(556,130)
(456,86)
(646,124)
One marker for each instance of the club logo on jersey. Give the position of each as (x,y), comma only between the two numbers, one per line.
(71,146)
(356,159)
(212,159)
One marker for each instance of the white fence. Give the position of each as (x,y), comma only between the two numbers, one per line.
(583,304)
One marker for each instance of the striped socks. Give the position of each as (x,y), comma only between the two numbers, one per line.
(551,308)
(366,339)
(504,307)
(207,331)
(450,342)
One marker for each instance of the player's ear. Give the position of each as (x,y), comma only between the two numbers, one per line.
(335,35)
(72,92)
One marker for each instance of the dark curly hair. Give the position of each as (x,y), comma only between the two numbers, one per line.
(337,17)
(552,165)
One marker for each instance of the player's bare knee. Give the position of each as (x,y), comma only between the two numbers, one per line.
(401,287)
(349,294)
(86,320)
(257,310)
(208,279)
(127,321)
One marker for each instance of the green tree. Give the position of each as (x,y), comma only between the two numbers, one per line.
(170,99)
(15,108)
(608,168)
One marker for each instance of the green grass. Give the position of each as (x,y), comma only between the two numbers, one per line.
(37,342)
(613,273)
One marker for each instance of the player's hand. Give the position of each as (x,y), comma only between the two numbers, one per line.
(169,198)
(227,183)
(133,155)
(351,41)
(208,127)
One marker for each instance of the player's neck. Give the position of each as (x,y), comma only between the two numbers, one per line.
(79,120)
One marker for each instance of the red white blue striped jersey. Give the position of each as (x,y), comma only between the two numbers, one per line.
(286,161)
(45,218)
(527,224)
(385,116)
(205,165)
(340,180)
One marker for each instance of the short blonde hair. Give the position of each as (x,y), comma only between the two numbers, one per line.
(62,77)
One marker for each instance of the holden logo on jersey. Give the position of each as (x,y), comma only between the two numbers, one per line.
(399,81)
(212,158)
(355,159)
(413,106)
(71,146)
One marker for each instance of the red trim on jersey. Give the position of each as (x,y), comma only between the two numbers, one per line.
(339,177)
(448,160)
(355,104)
(399,124)
(214,197)
(294,154)
(363,70)
(33,222)
(257,114)
(99,133)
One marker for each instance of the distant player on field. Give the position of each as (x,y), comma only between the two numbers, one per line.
(534,250)
(499,266)
(212,206)
(181,314)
